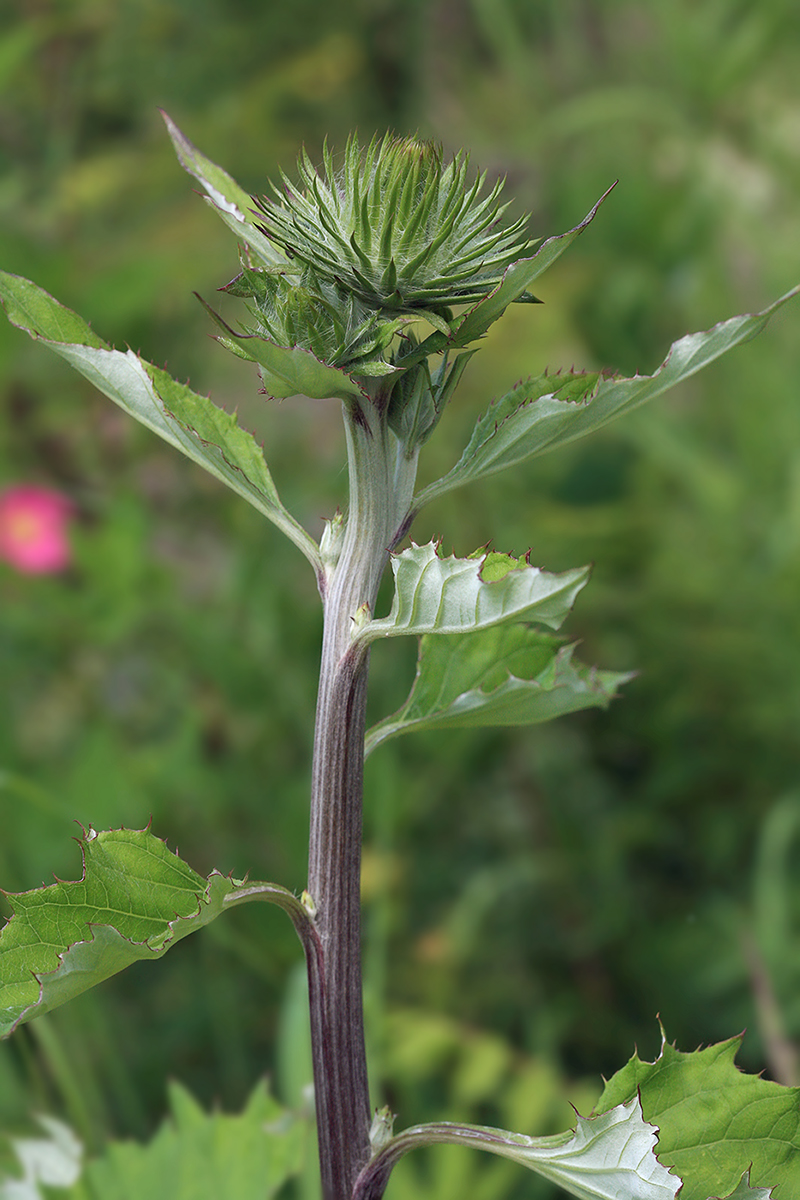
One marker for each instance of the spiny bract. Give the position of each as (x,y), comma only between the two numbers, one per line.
(397,226)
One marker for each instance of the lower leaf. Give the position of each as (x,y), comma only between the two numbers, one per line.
(715,1122)
(204,1156)
(134,900)
(604,1158)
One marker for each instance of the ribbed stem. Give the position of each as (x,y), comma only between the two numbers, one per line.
(337,1026)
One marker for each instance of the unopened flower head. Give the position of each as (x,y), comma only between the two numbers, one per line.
(397,226)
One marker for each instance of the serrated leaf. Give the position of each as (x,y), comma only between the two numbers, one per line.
(745,1192)
(458,595)
(134,900)
(716,1122)
(607,1157)
(504,675)
(517,279)
(204,1156)
(289,370)
(474,323)
(206,434)
(230,200)
(544,413)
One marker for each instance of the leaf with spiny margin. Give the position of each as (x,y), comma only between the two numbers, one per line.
(287,370)
(715,1121)
(505,675)
(607,1157)
(203,1156)
(544,413)
(206,434)
(230,200)
(474,323)
(745,1192)
(134,900)
(459,595)
(519,276)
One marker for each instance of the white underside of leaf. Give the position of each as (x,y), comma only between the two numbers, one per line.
(608,1157)
(448,595)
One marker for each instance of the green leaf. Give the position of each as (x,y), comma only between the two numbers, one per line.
(203,1156)
(230,200)
(546,412)
(134,900)
(288,370)
(745,1192)
(608,1157)
(458,595)
(716,1122)
(207,435)
(518,277)
(513,287)
(504,675)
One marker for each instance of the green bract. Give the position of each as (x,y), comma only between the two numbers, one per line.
(397,226)
(314,315)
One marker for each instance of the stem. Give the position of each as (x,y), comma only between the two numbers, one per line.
(378,503)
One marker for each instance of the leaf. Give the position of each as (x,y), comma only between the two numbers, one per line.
(474,323)
(519,276)
(287,370)
(232,202)
(458,595)
(716,1122)
(504,675)
(604,1158)
(745,1192)
(134,900)
(207,435)
(204,1156)
(544,413)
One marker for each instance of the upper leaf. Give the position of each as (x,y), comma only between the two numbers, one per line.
(134,900)
(205,433)
(518,278)
(230,200)
(457,595)
(505,675)
(546,412)
(716,1122)
(473,324)
(604,1158)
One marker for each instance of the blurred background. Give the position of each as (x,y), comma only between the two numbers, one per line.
(533,898)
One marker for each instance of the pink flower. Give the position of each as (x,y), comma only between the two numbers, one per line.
(33,529)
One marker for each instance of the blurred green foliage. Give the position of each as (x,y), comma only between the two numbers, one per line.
(557,886)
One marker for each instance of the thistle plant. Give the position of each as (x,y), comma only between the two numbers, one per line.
(372,283)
